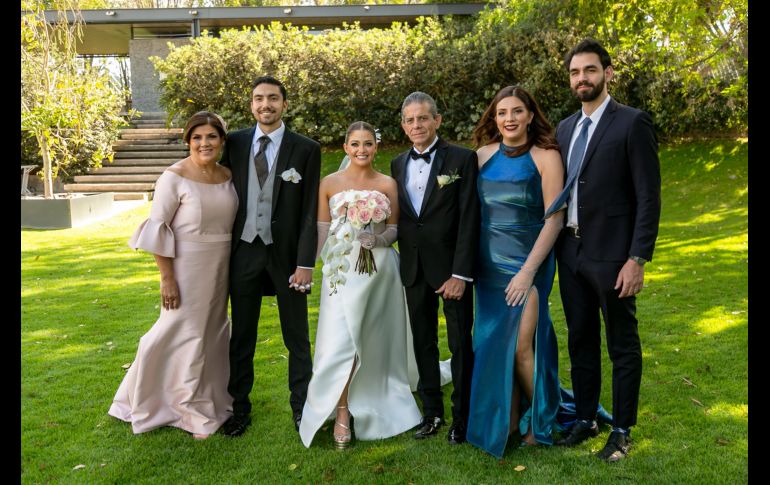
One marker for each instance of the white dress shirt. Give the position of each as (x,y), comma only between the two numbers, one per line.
(572,209)
(417,174)
(271,152)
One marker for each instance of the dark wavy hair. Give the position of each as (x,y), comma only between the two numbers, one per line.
(539,133)
(205,118)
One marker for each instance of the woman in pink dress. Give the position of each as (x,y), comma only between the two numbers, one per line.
(180,373)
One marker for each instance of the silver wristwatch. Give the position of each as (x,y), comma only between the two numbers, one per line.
(638,260)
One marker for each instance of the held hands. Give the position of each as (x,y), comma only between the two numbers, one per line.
(301,280)
(518,287)
(452,289)
(169,294)
(630,279)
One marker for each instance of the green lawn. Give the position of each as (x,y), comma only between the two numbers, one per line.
(87,298)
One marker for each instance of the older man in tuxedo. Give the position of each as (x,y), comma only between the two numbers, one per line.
(612,197)
(437,237)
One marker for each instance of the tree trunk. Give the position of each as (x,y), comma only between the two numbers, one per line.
(47,171)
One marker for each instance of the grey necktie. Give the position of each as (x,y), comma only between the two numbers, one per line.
(260,160)
(575,161)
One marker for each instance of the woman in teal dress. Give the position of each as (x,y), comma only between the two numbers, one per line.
(515,385)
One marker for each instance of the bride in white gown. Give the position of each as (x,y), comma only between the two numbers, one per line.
(364,363)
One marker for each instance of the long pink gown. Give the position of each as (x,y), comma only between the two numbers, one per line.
(180,373)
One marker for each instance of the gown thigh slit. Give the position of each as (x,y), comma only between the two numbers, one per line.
(365,322)
(510,192)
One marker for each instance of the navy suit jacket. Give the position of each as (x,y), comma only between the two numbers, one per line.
(619,184)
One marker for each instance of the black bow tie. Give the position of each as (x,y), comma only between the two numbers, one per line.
(425,156)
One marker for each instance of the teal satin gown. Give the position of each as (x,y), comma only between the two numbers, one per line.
(510,191)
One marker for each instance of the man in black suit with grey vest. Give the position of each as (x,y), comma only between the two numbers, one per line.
(276,174)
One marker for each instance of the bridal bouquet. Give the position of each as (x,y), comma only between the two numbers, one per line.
(352,213)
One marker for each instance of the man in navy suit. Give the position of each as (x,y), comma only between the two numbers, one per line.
(612,198)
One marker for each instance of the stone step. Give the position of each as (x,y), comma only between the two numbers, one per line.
(172,143)
(115,178)
(152,154)
(153,114)
(146,196)
(148,125)
(150,136)
(128,162)
(168,147)
(106,187)
(142,121)
(131,169)
(165,131)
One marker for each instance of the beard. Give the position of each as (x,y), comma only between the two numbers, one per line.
(592,94)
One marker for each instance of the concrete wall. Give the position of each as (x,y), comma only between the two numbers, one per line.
(145,91)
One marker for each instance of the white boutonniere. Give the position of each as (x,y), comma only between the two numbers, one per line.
(291,175)
(447,179)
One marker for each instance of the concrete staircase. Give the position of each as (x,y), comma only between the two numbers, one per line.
(142,153)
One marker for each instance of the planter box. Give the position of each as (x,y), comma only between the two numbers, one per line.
(65,212)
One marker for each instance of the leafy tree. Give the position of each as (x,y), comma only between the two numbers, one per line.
(71,110)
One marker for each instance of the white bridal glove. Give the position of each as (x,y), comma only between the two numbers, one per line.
(323,233)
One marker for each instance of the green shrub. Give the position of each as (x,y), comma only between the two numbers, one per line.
(348,73)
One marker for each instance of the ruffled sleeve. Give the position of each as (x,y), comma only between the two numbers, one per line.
(155,234)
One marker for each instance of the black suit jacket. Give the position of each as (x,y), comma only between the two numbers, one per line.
(295,206)
(443,239)
(619,184)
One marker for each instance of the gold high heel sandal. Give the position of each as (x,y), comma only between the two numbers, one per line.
(343,441)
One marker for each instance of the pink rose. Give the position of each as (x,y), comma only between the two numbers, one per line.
(378,215)
(365,216)
(352,213)
(361,204)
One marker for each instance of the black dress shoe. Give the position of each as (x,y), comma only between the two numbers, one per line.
(297,419)
(616,448)
(428,426)
(456,433)
(579,433)
(236,425)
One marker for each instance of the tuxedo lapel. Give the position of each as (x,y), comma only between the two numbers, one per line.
(401,183)
(435,169)
(284,154)
(605,122)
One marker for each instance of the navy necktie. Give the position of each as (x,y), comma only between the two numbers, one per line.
(425,156)
(575,161)
(260,160)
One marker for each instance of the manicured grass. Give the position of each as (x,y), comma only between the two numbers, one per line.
(87,298)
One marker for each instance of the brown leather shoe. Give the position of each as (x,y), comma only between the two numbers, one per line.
(616,448)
